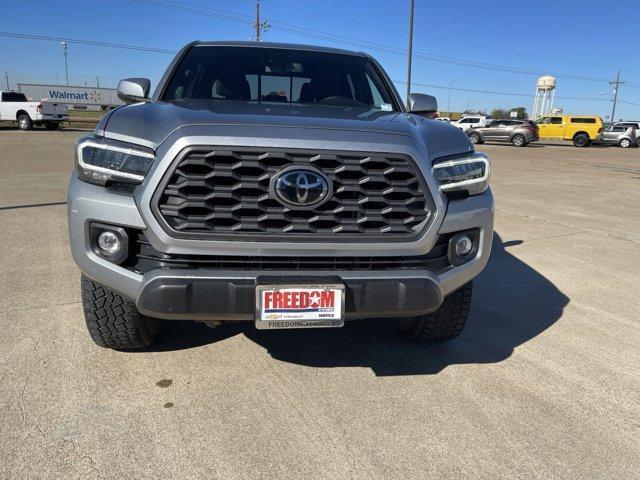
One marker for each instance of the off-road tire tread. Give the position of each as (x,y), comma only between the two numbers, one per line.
(444,324)
(113,321)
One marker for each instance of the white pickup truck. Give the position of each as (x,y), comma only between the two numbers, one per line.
(14,107)
(471,121)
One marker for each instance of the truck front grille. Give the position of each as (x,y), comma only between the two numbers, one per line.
(145,258)
(220,192)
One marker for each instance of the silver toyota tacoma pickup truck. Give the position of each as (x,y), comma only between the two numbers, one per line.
(285,185)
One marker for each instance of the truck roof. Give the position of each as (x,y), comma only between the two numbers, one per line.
(288,46)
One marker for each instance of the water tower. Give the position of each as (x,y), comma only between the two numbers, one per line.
(545,93)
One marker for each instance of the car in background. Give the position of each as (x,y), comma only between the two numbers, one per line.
(628,123)
(580,129)
(444,119)
(471,121)
(518,132)
(14,107)
(620,135)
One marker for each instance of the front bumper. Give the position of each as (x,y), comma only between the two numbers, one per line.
(181,294)
(229,295)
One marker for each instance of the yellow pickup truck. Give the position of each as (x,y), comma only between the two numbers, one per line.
(581,129)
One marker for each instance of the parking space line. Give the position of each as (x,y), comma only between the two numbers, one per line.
(583,230)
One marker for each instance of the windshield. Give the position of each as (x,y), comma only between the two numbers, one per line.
(279,75)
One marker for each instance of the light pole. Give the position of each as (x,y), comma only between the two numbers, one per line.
(65,52)
(449,97)
(410,50)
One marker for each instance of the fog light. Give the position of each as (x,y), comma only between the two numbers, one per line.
(464,245)
(109,243)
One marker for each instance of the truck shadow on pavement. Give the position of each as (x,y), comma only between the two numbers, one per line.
(512,303)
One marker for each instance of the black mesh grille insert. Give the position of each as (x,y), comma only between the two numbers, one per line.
(220,192)
(144,258)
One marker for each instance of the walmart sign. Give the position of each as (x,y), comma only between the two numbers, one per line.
(64,95)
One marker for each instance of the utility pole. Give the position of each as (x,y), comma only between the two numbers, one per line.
(449,97)
(65,52)
(410,49)
(259,26)
(98,81)
(617,84)
(6,77)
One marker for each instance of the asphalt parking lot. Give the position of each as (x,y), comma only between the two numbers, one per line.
(543,383)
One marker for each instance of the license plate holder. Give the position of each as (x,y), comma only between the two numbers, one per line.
(299,306)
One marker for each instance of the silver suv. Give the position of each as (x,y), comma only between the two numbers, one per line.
(621,135)
(281,184)
(517,132)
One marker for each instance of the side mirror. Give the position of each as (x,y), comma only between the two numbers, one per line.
(133,90)
(423,104)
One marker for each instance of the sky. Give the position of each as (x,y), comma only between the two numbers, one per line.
(489,52)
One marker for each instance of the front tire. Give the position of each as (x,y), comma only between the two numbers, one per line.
(113,321)
(444,324)
(475,138)
(519,141)
(581,140)
(625,143)
(24,122)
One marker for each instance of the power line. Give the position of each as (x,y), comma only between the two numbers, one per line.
(448,40)
(629,103)
(312,33)
(294,30)
(493,92)
(85,42)
(165,51)
(211,12)
(147,49)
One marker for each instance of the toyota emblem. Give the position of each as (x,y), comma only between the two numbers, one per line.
(301,187)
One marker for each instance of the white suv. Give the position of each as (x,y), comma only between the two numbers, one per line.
(472,121)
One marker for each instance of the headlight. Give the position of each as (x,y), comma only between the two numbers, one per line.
(469,173)
(100,161)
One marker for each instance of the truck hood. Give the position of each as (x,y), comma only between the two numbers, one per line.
(151,123)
